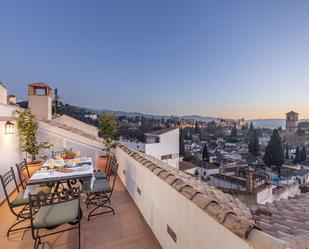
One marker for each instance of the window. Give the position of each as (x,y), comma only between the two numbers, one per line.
(157,140)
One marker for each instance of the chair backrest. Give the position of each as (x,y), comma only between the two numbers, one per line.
(47,199)
(6,179)
(109,161)
(23,173)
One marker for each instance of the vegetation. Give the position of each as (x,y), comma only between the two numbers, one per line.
(27,127)
(254,147)
(205,154)
(300,155)
(107,129)
(234,132)
(274,151)
(181,143)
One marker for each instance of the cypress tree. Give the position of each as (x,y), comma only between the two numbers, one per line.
(205,154)
(287,152)
(196,127)
(234,132)
(181,143)
(274,151)
(297,156)
(303,155)
(254,147)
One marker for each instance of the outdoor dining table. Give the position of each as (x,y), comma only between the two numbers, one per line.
(82,171)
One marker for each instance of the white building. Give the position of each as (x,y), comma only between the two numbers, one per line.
(162,144)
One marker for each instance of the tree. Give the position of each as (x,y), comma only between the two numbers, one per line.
(303,155)
(56,101)
(234,132)
(274,151)
(27,127)
(297,156)
(181,143)
(107,129)
(287,152)
(196,129)
(251,127)
(205,154)
(254,146)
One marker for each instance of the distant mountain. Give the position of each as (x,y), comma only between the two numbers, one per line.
(199,118)
(134,114)
(268,123)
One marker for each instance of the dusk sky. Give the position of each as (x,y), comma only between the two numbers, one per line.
(215,58)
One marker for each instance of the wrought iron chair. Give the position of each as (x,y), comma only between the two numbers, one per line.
(48,211)
(18,202)
(99,174)
(100,192)
(23,170)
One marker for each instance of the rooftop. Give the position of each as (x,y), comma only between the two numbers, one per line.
(287,220)
(160,132)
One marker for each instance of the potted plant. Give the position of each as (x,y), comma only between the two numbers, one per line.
(27,127)
(107,130)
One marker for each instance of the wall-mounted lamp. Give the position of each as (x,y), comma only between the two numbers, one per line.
(9,127)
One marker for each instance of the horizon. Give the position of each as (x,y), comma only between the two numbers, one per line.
(227,59)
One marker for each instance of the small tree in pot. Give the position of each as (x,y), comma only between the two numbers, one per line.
(27,127)
(107,129)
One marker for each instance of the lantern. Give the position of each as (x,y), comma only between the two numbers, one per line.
(9,127)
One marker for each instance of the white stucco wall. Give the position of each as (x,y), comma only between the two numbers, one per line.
(61,138)
(169,144)
(162,205)
(3,94)
(41,106)
(72,122)
(10,149)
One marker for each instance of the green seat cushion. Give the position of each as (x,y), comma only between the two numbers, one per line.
(57,214)
(44,189)
(99,185)
(99,175)
(20,200)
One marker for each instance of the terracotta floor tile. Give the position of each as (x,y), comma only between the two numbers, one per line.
(125,230)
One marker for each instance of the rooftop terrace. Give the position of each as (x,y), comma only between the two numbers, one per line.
(125,230)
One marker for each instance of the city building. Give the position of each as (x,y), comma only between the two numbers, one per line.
(162,144)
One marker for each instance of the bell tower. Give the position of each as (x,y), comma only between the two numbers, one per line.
(40,100)
(291,125)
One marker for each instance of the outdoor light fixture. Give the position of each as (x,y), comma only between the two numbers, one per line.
(9,127)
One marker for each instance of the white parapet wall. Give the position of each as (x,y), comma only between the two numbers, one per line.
(166,209)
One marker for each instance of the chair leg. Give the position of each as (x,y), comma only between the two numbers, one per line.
(79,235)
(12,229)
(102,205)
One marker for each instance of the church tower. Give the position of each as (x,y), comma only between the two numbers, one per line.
(40,100)
(291,125)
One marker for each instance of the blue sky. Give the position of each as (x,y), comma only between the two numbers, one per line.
(217,58)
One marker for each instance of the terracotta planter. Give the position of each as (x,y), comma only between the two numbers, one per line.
(101,163)
(34,166)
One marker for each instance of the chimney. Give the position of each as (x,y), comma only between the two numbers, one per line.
(12,99)
(3,94)
(249,180)
(40,100)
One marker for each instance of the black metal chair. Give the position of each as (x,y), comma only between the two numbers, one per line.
(49,211)
(99,174)
(18,202)
(22,170)
(100,193)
